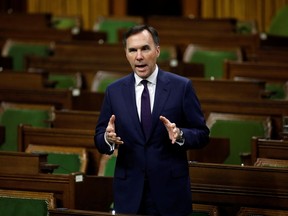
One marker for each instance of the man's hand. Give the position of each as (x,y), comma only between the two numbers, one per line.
(173,131)
(111,136)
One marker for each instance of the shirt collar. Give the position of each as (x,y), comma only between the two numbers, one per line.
(152,78)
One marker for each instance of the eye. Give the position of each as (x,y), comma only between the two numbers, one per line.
(146,48)
(132,50)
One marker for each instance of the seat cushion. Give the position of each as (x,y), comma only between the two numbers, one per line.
(11,118)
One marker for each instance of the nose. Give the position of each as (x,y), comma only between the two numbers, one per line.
(139,55)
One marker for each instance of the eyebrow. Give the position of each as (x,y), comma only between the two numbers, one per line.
(143,47)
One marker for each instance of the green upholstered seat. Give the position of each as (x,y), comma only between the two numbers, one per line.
(11,118)
(68,163)
(69,159)
(11,206)
(112,25)
(110,166)
(104,78)
(107,164)
(246,27)
(18,51)
(66,81)
(167,53)
(25,203)
(63,23)
(278,25)
(213,60)
(278,89)
(239,129)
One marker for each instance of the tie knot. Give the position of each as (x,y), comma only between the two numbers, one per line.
(144,82)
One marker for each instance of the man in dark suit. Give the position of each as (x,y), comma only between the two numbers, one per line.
(151,173)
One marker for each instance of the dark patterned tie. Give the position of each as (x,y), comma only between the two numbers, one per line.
(146,117)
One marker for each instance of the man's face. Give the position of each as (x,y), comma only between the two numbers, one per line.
(142,53)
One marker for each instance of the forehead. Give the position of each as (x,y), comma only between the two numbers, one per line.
(140,39)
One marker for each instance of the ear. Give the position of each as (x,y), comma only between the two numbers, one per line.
(158,50)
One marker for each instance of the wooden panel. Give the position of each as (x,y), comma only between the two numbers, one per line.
(57,97)
(20,162)
(228,89)
(76,119)
(265,71)
(231,187)
(75,191)
(248,211)
(20,80)
(269,148)
(24,21)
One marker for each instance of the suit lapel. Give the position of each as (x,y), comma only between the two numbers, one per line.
(161,96)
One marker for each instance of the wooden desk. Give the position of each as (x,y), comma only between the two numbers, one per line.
(228,90)
(58,97)
(276,109)
(269,148)
(75,191)
(22,80)
(21,162)
(230,186)
(76,119)
(265,71)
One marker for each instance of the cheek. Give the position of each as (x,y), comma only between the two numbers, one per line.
(130,58)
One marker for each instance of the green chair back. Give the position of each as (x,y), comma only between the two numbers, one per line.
(110,166)
(68,163)
(65,81)
(246,27)
(278,25)
(111,27)
(26,203)
(240,133)
(11,118)
(213,61)
(278,89)
(64,23)
(104,84)
(18,51)
(102,79)
(167,53)
(11,206)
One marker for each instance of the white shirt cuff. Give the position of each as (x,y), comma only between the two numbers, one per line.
(111,145)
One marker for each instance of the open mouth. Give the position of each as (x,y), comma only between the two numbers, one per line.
(140,66)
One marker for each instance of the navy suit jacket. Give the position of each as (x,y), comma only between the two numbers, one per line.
(164,164)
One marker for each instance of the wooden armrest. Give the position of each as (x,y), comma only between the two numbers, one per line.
(267,94)
(48,168)
(246,159)
(50,84)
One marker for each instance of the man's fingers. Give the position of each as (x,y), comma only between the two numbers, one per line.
(111,120)
(165,120)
